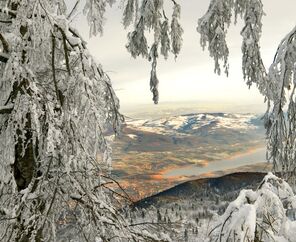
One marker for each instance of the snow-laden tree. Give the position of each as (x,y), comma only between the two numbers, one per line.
(258,215)
(56,106)
(57,111)
(277,84)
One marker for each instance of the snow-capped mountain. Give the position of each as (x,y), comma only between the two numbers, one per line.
(203,124)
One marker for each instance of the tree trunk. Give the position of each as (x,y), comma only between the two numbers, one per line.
(24,165)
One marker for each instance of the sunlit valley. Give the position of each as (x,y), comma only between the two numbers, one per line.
(153,155)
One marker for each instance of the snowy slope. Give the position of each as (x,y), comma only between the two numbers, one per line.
(192,123)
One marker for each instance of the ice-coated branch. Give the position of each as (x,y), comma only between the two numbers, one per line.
(251,32)
(94,11)
(53,67)
(56,150)
(280,121)
(213,28)
(276,84)
(66,52)
(153,76)
(176,30)
(258,215)
(74,9)
(150,16)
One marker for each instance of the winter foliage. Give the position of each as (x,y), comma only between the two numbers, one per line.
(150,15)
(57,110)
(264,211)
(277,84)
(258,215)
(213,30)
(280,121)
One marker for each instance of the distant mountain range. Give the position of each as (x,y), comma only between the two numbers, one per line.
(198,124)
(192,131)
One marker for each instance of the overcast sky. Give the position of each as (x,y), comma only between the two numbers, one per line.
(190,78)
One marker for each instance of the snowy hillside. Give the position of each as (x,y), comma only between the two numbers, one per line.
(194,123)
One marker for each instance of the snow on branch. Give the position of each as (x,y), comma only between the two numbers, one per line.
(258,215)
(150,15)
(280,117)
(4,43)
(56,142)
(94,11)
(213,28)
(276,84)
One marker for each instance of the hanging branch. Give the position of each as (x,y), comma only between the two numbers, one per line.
(153,76)
(4,56)
(167,37)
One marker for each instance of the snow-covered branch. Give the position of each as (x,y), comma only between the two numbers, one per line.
(213,28)
(4,43)
(280,121)
(277,84)
(168,38)
(258,215)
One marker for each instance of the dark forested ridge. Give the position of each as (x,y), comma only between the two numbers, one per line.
(227,186)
